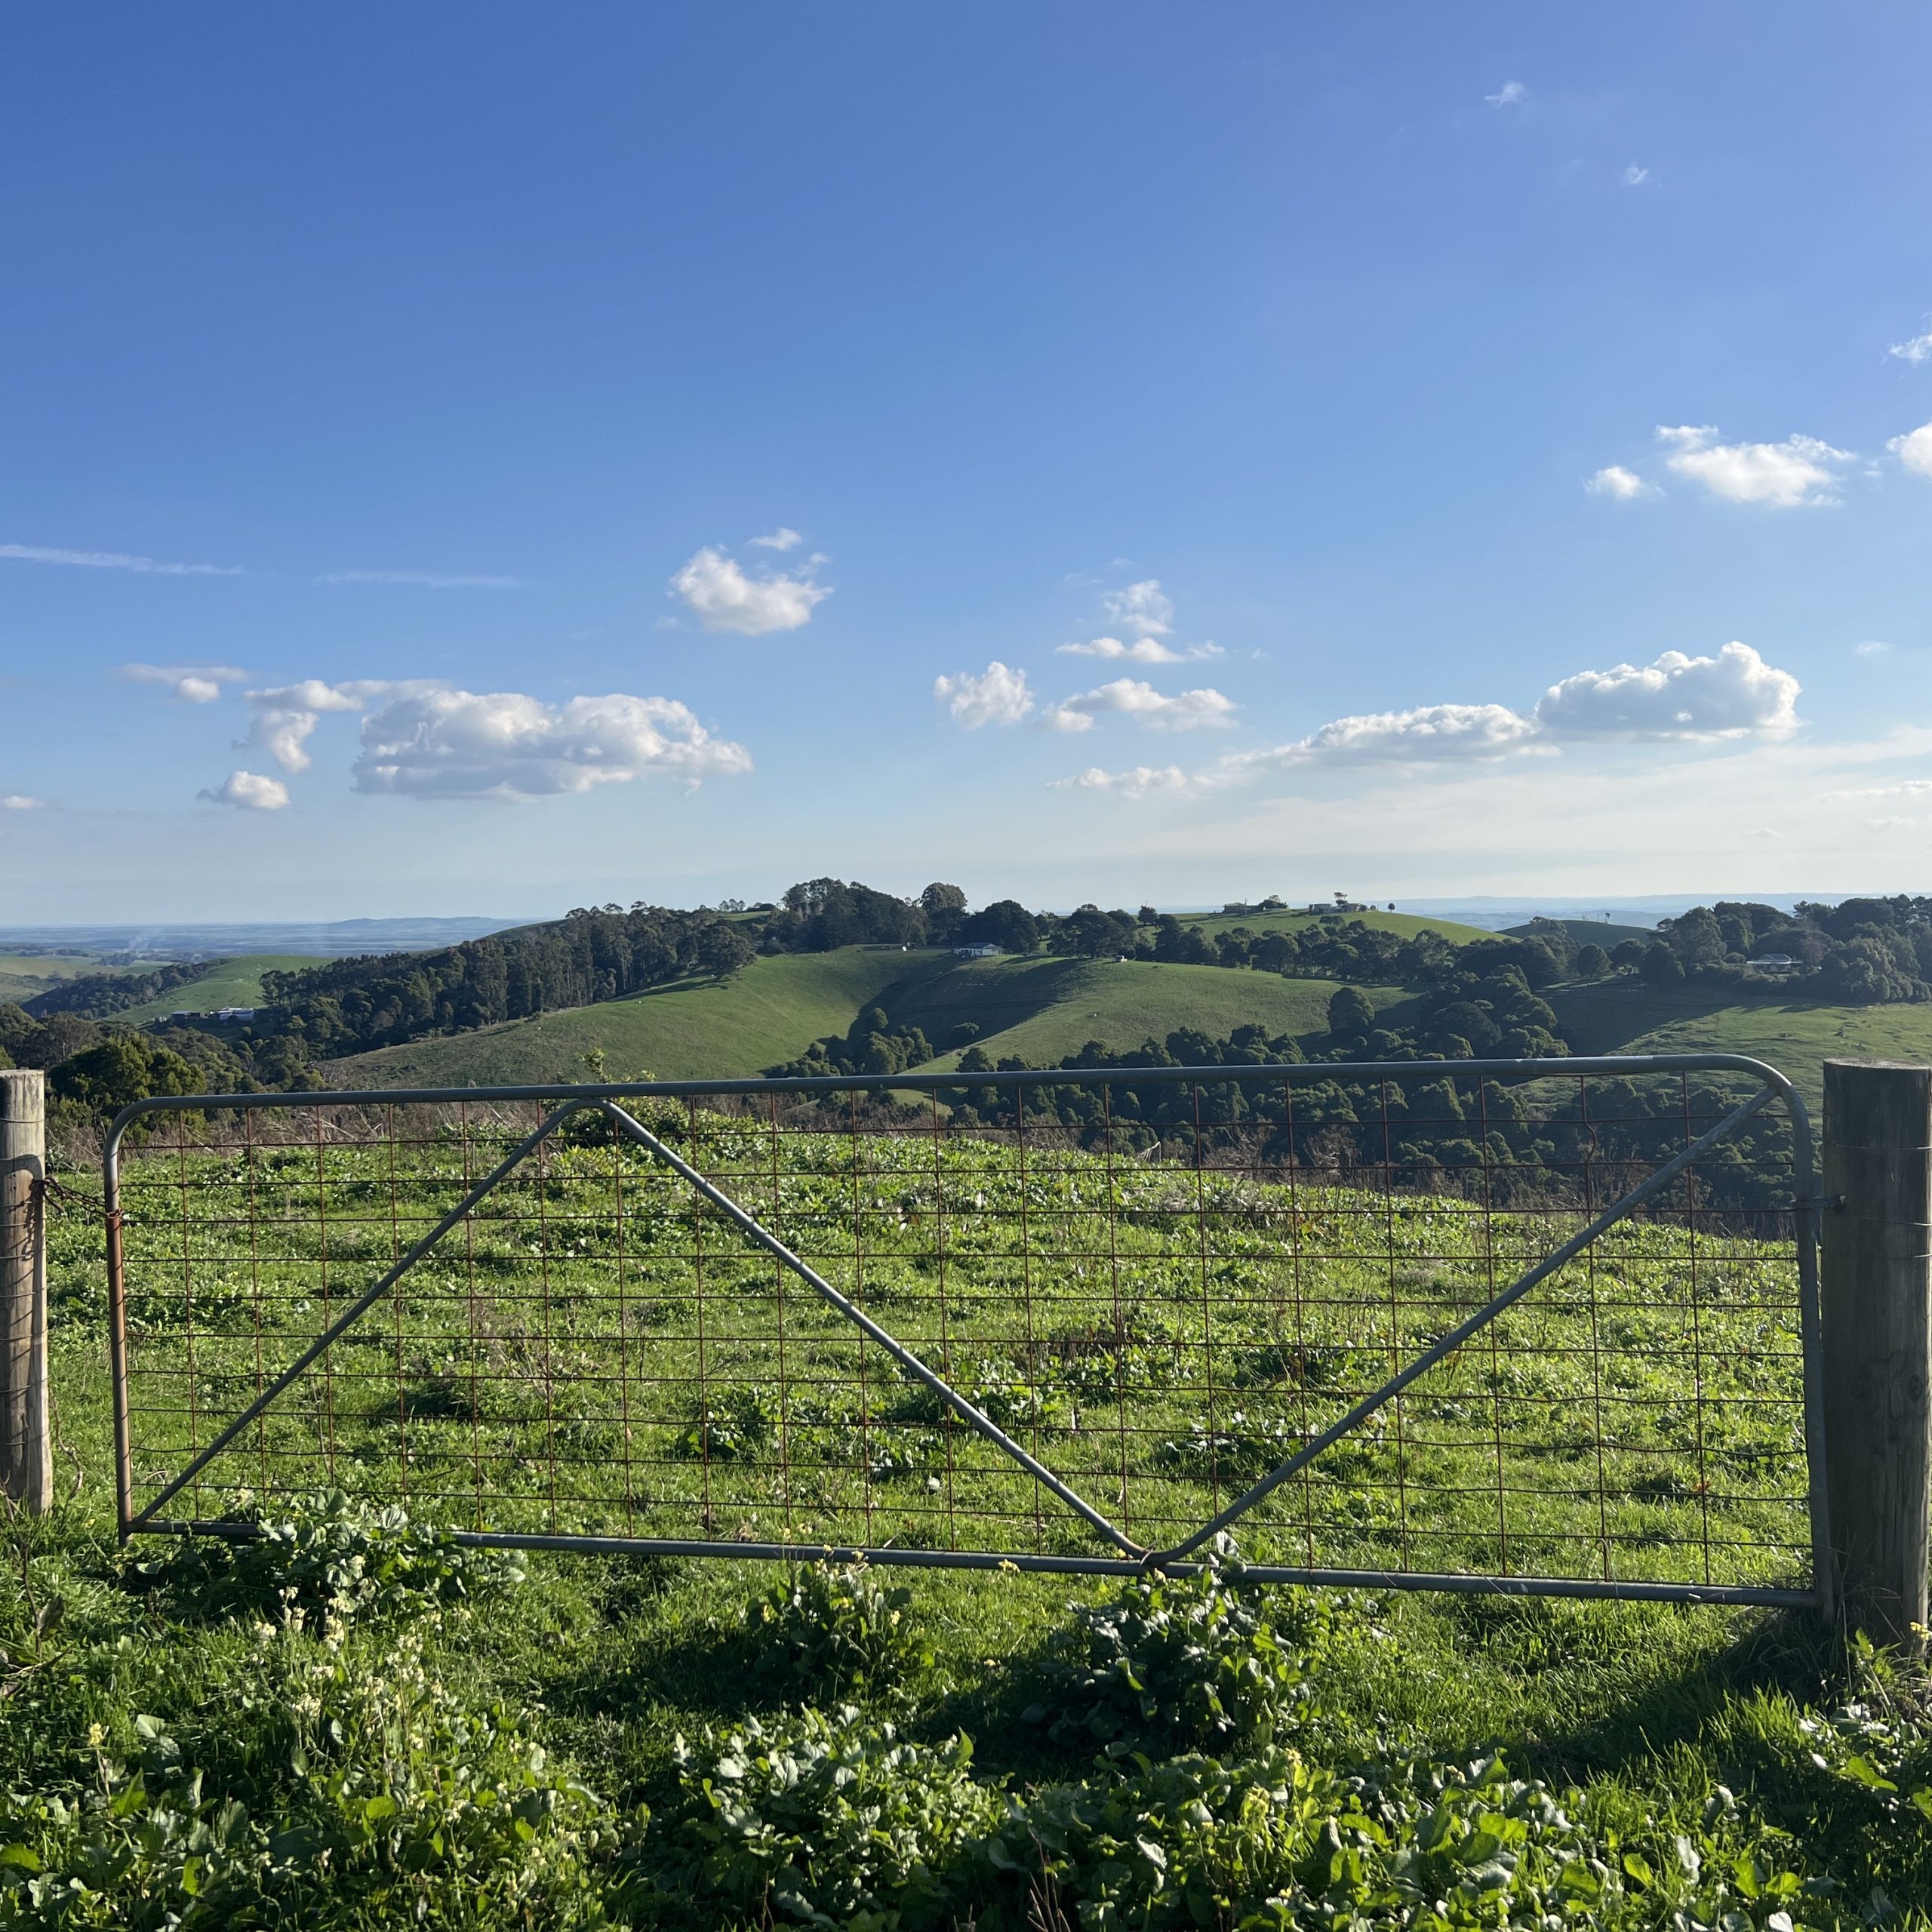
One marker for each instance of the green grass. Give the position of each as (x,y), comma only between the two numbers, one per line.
(699,1029)
(23,974)
(1796,1036)
(228,982)
(1040,1010)
(1405,925)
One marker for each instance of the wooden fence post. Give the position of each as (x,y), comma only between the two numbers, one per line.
(26,1453)
(1876,1310)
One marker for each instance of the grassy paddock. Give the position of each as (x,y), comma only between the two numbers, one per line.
(352,1725)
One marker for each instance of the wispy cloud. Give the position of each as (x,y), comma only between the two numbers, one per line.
(1511,94)
(1797,473)
(1634,177)
(1915,349)
(1138,782)
(114,559)
(1872,646)
(1143,607)
(783,538)
(1622,485)
(1141,651)
(717,591)
(248,792)
(1133,698)
(192,684)
(997,695)
(19,802)
(426,580)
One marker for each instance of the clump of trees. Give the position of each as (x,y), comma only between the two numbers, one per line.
(97,995)
(871,1044)
(1860,953)
(593,954)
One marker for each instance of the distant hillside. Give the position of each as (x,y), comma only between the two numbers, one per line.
(697,1029)
(1403,925)
(1040,1010)
(1589,932)
(1796,1036)
(1033,1009)
(226,983)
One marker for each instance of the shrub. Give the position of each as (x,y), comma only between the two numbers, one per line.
(1174,1662)
(829,1820)
(836,1628)
(326,1557)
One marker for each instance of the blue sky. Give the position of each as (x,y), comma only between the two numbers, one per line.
(432,374)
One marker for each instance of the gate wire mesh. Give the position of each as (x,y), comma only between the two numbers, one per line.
(1161,1284)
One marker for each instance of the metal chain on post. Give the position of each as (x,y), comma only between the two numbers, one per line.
(27,1451)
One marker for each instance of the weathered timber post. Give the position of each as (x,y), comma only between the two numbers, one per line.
(26,1453)
(1876,1283)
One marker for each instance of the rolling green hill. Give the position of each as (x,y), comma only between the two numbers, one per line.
(1796,1036)
(695,1030)
(229,982)
(1588,932)
(1040,1010)
(1405,925)
(23,974)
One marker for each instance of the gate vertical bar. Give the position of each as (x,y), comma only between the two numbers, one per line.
(1877,1342)
(26,1453)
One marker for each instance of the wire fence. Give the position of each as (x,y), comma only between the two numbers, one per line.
(1380,1322)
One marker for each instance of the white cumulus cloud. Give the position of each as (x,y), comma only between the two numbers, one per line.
(429,739)
(1427,732)
(1915,349)
(1914,450)
(783,538)
(250,792)
(284,717)
(1624,485)
(997,695)
(1797,472)
(192,684)
(717,591)
(19,802)
(1511,94)
(1143,607)
(1730,696)
(1187,711)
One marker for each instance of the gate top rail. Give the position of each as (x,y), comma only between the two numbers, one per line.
(1575,1065)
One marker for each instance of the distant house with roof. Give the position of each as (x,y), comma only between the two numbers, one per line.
(976,952)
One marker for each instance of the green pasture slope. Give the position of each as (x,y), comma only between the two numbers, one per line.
(23,974)
(227,982)
(285,1736)
(1796,1036)
(697,1029)
(1405,925)
(1040,1010)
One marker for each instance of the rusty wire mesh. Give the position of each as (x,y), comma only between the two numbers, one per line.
(1161,1289)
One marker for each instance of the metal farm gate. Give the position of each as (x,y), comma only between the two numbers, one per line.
(1532,1326)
